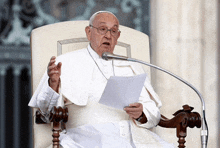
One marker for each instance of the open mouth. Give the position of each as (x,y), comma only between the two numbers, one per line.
(106,43)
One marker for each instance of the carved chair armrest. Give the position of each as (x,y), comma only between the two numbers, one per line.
(182,119)
(58,116)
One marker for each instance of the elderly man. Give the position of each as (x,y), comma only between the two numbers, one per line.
(83,79)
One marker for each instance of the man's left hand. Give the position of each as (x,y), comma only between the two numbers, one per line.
(134,110)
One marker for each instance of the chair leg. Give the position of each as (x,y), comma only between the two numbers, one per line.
(181,134)
(56,134)
(181,142)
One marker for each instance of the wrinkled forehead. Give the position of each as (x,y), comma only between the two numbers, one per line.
(106,19)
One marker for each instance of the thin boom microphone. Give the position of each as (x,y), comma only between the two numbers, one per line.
(108,55)
(204,132)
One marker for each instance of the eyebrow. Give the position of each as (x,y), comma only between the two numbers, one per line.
(105,23)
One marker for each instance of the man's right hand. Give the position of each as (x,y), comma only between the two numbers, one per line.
(54,72)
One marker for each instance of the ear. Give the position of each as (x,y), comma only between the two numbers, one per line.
(119,33)
(118,37)
(88,32)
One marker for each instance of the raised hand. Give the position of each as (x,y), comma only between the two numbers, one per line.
(54,72)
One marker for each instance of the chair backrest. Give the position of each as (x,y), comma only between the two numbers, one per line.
(59,38)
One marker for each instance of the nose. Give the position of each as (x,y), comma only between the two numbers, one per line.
(108,34)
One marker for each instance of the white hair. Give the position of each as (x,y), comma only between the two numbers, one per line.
(95,14)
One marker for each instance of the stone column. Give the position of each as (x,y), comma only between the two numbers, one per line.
(184,41)
(2,106)
(16,109)
(31,121)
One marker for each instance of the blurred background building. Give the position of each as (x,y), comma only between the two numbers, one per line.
(183,37)
(17,19)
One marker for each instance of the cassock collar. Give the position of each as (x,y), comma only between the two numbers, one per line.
(93,53)
(97,57)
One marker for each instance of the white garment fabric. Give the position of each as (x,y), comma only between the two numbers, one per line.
(83,79)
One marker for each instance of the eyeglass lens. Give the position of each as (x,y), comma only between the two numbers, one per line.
(104,30)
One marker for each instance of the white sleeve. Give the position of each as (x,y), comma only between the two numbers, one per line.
(44,96)
(150,110)
(149,99)
(46,99)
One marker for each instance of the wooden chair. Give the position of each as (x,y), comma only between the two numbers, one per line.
(59,38)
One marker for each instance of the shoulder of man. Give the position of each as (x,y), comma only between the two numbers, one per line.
(76,55)
(137,67)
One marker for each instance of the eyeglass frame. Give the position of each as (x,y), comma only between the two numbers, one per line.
(106,31)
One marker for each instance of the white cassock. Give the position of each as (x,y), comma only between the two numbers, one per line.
(92,125)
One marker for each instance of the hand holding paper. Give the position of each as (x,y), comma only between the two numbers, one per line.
(134,110)
(122,91)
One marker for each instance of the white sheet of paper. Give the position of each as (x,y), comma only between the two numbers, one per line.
(122,91)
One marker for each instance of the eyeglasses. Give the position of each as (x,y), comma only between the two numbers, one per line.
(103,30)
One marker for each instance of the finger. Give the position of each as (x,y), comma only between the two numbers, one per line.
(51,63)
(135,116)
(52,73)
(52,67)
(59,65)
(135,104)
(132,109)
(53,58)
(132,113)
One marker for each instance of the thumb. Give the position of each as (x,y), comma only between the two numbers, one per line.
(134,104)
(59,65)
